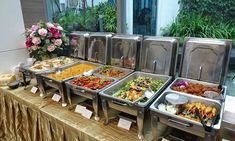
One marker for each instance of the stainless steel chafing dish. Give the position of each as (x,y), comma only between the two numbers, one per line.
(125,51)
(202,60)
(182,123)
(29,72)
(60,84)
(99,47)
(135,108)
(205,59)
(87,93)
(159,55)
(78,42)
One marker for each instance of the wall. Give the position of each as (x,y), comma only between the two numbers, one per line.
(12,49)
(33,11)
(167,10)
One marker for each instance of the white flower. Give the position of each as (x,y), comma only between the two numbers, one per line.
(36,40)
(58,42)
(50,25)
(42,32)
(60,28)
(34,47)
(51,48)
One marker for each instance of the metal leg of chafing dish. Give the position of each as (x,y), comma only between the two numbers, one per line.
(41,86)
(209,137)
(140,124)
(62,94)
(69,96)
(105,110)
(154,123)
(95,106)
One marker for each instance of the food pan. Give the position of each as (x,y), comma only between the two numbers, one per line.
(87,93)
(182,123)
(127,71)
(220,97)
(114,88)
(136,108)
(60,84)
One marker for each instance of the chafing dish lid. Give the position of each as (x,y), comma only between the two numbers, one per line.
(124,50)
(98,47)
(159,55)
(205,59)
(77,44)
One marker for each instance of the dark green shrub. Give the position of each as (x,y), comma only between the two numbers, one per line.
(199,26)
(109,11)
(204,18)
(218,10)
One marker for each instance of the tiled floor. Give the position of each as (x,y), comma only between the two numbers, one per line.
(230,83)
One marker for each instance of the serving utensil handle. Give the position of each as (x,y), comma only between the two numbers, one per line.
(77,89)
(180,123)
(118,103)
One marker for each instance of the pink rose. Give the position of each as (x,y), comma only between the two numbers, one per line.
(51,48)
(28,42)
(59,28)
(57,34)
(58,42)
(50,25)
(53,30)
(34,27)
(36,40)
(34,47)
(42,32)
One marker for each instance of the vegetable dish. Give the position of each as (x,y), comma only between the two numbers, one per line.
(135,89)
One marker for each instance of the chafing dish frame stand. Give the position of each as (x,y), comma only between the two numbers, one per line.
(131,109)
(155,119)
(139,112)
(60,84)
(94,96)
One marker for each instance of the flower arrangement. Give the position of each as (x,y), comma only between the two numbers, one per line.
(44,40)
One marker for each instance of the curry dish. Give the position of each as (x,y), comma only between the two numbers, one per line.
(72,71)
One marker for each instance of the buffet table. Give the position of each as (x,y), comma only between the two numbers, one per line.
(26,116)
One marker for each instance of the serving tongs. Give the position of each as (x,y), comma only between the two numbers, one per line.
(205,126)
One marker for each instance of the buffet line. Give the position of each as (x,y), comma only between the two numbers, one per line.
(135,74)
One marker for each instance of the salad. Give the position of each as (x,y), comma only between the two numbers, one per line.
(135,89)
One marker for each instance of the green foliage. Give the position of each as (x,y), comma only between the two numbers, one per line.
(218,10)
(204,18)
(91,20)
(109,12)
(199,26)
(71,21)
(88,20)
